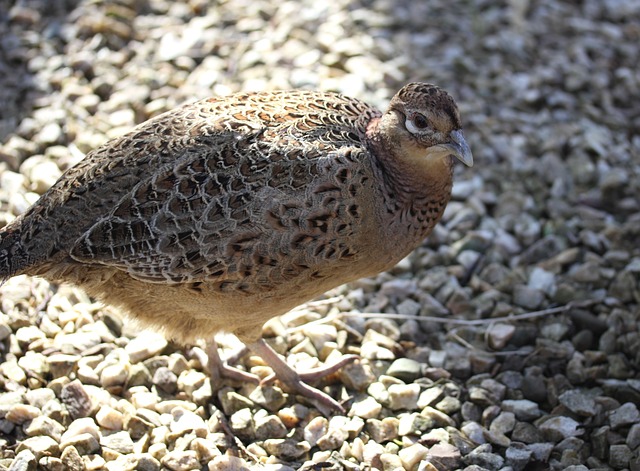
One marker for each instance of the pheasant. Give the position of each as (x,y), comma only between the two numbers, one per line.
(221,214)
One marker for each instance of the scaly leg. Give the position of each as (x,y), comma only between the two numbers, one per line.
(220,369)
(295,381)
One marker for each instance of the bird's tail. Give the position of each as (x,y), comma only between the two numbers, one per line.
(13,257)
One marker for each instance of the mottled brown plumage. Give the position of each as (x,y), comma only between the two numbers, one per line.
(221,214)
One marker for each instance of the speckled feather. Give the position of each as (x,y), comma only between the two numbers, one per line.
(223,213)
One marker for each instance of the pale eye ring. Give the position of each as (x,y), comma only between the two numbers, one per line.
(420,121)
(416,123)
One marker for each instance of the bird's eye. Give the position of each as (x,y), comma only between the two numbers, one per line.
(416,124)
(420,121)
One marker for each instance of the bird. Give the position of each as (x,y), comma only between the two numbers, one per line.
(221,214)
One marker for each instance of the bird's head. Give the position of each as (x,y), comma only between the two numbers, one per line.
(423,124)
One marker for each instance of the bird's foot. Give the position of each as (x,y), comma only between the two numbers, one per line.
(219,368)
(297,382)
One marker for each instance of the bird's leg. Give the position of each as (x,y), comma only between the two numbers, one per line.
(220,369)
(297,381)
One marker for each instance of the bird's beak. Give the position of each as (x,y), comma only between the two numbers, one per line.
(458,148)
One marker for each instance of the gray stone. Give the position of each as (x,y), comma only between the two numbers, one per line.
(25,460)
(269,427)
(484,457)
(578,402)
(76,399)
(626,414)
(619,456)
(523,409)
(405,369)
(166,380)
(560,427)
(269,397)
(517,456)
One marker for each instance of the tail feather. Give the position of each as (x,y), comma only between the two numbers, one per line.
(13,258)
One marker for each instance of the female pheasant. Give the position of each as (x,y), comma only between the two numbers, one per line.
(224,213)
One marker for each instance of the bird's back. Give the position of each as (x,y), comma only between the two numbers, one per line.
(222,190)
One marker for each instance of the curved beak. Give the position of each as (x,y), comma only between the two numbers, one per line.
(458,148)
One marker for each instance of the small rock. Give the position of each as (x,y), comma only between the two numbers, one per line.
(412,455)
(444,456)
(484,457)
(357,376)
(541,451)
(145,345)
(118,441)
(21,413)
(558,428)
(76,399)
(12,371)
(542,280)
(517,456)
(228,463)
(503,423)
(286,448)
(270,397)
(527,298)
(405,369)
(84,443)
(499,335)
(526,433)
(44,426)
(241,422)
(269,427)
(626,414)
(61,364)
(181,460)
(390,461)
(187,421)
(633,437)
(336,434)
(190,380)
(25,460)
(40,446)
(166,380)
(403,396)
(414,424)
(39,397)
(383,430)
(114,375)
(366,408)
(233,402)
(316,428)
(429,396)
(578,403)
(26,335)
(523,409)
(620,456)
(109,418)
(474,431)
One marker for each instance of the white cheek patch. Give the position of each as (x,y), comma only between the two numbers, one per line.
(411,127)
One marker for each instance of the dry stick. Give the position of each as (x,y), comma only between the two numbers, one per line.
(509,318)
(440,320)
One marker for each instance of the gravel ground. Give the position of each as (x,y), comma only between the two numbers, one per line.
(518,346)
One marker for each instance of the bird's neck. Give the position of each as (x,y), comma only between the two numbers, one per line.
(408,180)
(415,193)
